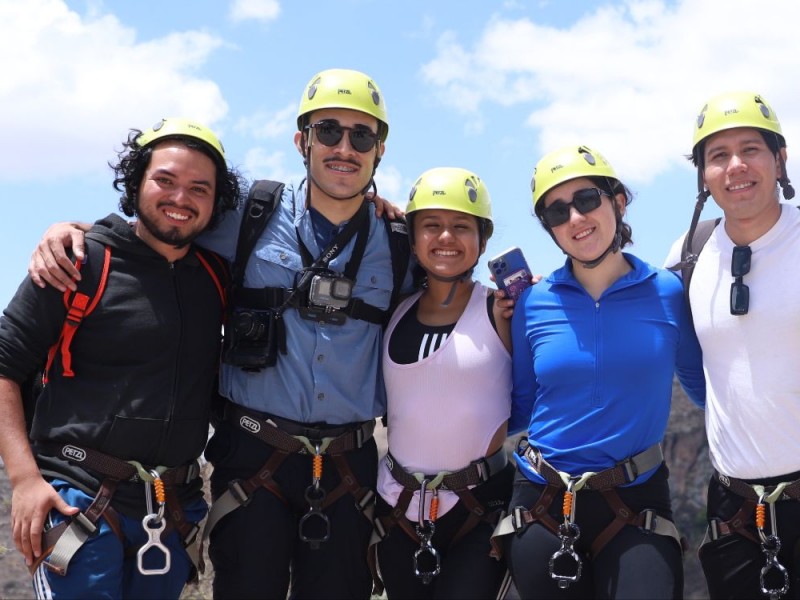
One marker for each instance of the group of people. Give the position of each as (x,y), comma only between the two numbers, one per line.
(322,338)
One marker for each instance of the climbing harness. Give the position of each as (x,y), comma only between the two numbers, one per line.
(288,437)
(565,564)
(757,498)
(427,560)
(425,529)
(315,496)
(65,539)
(153,525)
(568,534)
(770,544)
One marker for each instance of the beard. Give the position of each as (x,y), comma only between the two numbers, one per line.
(174,236)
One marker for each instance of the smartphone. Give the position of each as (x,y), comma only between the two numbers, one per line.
(511,272)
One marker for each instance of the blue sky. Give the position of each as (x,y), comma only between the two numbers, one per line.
(489,86)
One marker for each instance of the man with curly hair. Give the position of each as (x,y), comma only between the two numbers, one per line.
(108,470)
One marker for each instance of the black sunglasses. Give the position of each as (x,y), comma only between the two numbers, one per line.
(329,133)
(584,201)
(740,293)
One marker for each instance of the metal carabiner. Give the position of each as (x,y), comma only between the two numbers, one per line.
(427,549)
(315,495)
(771,547)
(568,533)
(153,542)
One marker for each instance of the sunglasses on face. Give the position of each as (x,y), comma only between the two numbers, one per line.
(329,133)
(584,201)
(740,293)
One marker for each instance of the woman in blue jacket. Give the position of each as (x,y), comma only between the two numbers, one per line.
(595,347)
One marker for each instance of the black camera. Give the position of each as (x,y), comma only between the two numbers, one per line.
(253,339)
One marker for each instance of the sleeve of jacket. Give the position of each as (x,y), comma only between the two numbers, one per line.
(29,326)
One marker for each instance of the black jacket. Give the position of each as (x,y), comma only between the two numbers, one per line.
(145,362)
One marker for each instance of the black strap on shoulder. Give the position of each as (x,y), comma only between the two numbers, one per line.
(401,255)
(693,244)
(262,199)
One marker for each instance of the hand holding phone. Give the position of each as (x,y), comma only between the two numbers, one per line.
(511,272)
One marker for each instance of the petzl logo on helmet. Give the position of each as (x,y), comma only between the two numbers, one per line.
(73,453)
(250,425)
(344,91)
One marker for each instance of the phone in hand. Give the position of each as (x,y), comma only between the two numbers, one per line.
(511,272)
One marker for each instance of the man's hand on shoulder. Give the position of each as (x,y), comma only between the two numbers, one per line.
(49,262)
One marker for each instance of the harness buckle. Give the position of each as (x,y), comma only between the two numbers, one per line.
(517,519)
(650,521)
(630,470)
(237,491)
(84,523)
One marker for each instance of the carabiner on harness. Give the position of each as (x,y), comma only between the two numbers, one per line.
(425,528)
(770,546)
(153,525)
(568,533)
(315,496)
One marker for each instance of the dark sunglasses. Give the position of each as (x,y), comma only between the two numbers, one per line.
(329,133)
(740,293)
(584,201)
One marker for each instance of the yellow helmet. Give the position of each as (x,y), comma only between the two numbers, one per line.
(452,188)
(177,127)
(735,109)
(567,163)
(344,88)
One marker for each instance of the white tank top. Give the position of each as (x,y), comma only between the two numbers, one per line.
(444,409)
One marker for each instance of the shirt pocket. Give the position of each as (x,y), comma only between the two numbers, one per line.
(374,285)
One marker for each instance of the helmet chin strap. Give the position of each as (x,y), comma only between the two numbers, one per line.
(786,186)
(456,279)
(616,244)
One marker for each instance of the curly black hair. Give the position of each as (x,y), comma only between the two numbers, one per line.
(134,160)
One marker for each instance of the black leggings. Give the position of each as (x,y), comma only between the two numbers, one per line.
(634,564)
(467,569)
(732,564)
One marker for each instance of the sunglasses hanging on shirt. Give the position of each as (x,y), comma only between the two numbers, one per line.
(740,293)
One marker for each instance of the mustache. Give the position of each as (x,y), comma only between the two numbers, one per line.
(174,205)
(337,158)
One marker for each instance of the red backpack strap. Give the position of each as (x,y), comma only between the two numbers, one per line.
(219,273)
(79,305)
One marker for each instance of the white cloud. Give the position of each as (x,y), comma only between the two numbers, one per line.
(277,125)
(257,10)
(262,164)
(627,78)
(391,185)
(78,83)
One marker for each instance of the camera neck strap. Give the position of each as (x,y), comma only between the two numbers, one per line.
(358,225)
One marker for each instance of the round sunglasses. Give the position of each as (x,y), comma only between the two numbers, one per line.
(585,201)
(330,133)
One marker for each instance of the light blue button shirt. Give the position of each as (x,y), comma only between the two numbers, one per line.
(330,373)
